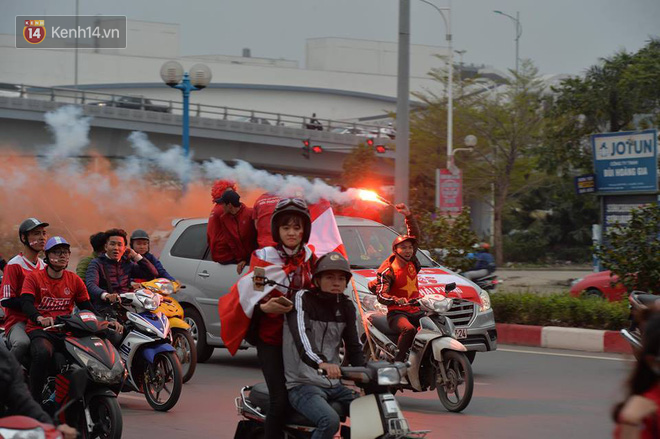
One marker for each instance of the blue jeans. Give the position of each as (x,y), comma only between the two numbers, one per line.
(313,402)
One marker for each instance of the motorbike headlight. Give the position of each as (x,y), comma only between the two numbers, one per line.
(33,433)
(485,301)
(99,372)
(441,306)
(388,376)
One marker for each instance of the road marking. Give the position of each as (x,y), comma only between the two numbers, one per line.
(556,354)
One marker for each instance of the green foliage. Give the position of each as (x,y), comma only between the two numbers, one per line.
(632,251)
(448,239)
(359,168)
(559,310)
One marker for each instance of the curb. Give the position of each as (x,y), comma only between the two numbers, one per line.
(555,337)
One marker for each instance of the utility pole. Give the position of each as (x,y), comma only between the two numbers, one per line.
(402,164)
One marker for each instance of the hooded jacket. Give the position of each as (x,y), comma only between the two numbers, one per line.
(240,234)
(105,275)
(314,331)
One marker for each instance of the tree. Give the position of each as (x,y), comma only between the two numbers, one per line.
(632,251)
(448,239)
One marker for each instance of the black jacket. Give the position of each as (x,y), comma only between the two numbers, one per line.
(15,398)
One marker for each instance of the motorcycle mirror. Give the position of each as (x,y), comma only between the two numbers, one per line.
(450,287)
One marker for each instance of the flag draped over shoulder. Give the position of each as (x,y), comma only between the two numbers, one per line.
(236,307)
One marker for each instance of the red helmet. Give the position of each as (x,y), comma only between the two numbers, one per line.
(403,238)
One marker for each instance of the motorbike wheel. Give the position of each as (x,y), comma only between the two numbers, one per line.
(198,332)
(163,382)
(455,394)
(107,419)
(184,344)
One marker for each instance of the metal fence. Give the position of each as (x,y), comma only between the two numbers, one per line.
(84,97)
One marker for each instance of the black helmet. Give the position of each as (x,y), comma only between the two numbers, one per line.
(291,206)
(403,238)
(27,226)
(332,261)
(139,234)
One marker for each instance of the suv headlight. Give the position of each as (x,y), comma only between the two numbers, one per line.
(99,371)
(388,376)
(371,303)
(485,301)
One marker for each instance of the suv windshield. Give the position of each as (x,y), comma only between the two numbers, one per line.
(369,246)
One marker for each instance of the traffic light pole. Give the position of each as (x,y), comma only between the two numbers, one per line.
(402,163)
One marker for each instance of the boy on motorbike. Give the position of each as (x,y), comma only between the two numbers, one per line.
(33,236)
(47,294)
(396,285)
(322,318)
(140,243)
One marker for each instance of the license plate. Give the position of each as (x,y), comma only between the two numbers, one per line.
(461,333)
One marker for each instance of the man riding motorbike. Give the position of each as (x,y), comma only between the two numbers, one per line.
(396,284)
(33,236)
(484,263)
(140,242)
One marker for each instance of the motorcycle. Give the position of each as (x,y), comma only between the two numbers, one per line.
(181,338)
(376,414)
(151,361)
(88,372)
(639,302)
(488,283)
(437,359)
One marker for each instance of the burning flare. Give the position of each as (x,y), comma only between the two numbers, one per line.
(372,196)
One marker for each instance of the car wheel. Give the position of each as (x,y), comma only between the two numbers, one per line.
(198,332)
(593,292)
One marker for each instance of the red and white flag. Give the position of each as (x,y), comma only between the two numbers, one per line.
(236,307)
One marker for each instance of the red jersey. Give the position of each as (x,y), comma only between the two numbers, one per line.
(261,214)
(12,283)
(405,286)
(54,297)
(220,250)
(240,234)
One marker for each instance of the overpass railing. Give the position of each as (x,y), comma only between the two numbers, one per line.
(95,98)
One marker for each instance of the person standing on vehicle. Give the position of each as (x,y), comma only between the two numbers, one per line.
(237,227)
(396,284)
(322,321)
(262,211)
(15,398)
(110,274)
(217,242)
(140,243)
(638,416)
(291,227)
(47,294)
(33,236)
(97,240)
(484,263)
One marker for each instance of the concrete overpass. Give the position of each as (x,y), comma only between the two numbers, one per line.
(272,147)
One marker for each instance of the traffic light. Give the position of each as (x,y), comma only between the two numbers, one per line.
(370,142)
(317,149)
(305,151)
(380,149)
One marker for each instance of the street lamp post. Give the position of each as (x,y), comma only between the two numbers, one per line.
(173,75)
(450,97)
(516,22)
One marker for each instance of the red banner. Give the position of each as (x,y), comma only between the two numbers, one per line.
(450,191)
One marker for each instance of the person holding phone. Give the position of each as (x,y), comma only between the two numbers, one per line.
(291,227)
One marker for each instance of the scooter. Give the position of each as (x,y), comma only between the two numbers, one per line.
(437,359)
(181,338)
(151,361)
(373,415)
(488,283)
(639,302)
(88,372)
(24,427)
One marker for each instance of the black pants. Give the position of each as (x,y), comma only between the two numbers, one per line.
(42,348)
(406,325)
(272,366)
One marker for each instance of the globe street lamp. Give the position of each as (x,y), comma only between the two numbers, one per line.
(199,77)
(518,26)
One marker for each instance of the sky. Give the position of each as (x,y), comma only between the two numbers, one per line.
(559,36)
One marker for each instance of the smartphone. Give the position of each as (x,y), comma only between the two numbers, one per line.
(284,301)
(258,277)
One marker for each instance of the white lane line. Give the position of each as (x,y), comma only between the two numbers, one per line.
(556,354)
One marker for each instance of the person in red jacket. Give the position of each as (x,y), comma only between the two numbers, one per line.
(33,236)
(396,284)
(237,227)
(262,211)
(220,251)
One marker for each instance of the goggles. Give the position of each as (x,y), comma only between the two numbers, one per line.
(298,202)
